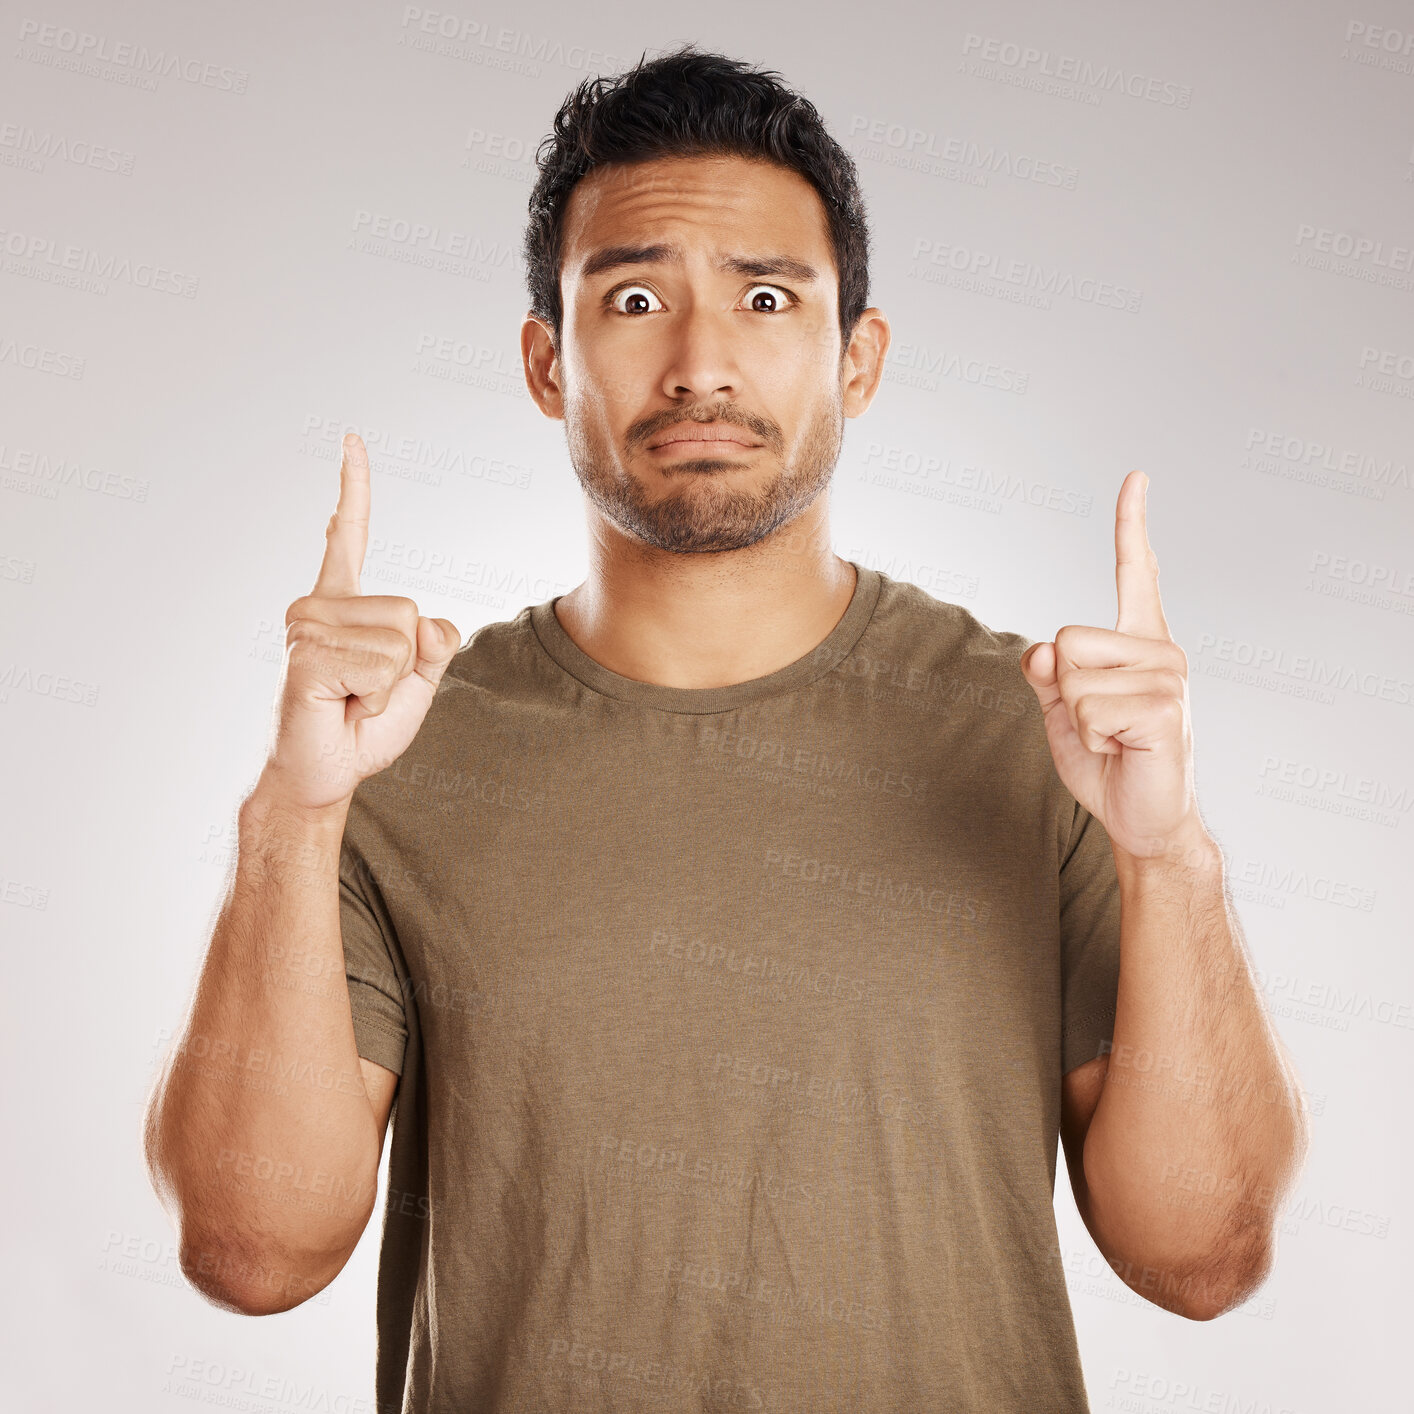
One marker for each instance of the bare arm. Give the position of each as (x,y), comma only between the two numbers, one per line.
(265,1129)
(1194,1127)
(1183,1141)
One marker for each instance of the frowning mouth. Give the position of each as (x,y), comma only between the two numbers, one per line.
(694,436)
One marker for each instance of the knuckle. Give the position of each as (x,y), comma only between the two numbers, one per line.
(394,613)
(410,616)
(390,648)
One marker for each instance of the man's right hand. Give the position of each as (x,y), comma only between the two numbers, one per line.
(360,670)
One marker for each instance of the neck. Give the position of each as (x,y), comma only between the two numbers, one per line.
(708,620)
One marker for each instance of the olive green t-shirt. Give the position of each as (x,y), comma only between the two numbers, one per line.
(730,1024)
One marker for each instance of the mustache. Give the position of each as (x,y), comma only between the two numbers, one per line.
(650,427)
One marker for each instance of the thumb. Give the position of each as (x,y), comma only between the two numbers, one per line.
(1038,667)
(437,643)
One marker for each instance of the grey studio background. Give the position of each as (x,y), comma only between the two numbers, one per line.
(1106,237)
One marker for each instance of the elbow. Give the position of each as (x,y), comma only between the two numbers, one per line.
(228,1251)
(203,1270)
(227,1278)
(1224,1286)
(248,1282)
(1198,1277)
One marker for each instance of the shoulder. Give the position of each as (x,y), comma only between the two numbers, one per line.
(952,681)
(937,642)
(500,663)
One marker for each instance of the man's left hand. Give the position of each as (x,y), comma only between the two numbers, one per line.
(1115,703)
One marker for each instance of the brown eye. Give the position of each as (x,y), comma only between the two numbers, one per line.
(637,295)
(774,293)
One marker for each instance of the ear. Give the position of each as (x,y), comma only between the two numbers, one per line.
(541,361)
(863,363)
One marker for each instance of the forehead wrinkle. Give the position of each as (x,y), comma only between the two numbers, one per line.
(664,252)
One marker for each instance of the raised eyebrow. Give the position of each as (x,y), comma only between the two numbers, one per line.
(612,257)
(762,265)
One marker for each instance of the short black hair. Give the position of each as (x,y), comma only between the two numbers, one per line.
(686,104)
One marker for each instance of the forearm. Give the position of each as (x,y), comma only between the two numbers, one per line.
(260,1137)
(1201,1124)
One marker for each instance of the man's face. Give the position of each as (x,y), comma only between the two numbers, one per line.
(662,338)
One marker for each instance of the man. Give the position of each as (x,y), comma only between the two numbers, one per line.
(739,932)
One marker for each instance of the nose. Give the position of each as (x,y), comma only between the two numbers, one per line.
(702,364)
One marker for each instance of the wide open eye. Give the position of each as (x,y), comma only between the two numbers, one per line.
(776,293)
(637,291)
(781,297)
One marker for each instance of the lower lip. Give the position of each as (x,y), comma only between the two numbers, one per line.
(700,445)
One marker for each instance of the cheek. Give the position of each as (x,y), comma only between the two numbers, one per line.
(606,384)
(591,411)
(610,356)
(817,344)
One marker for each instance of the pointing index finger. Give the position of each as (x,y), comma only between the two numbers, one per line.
(346,538)
(1136,566)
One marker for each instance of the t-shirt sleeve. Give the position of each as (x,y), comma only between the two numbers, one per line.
(1089,937)
(375,993)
